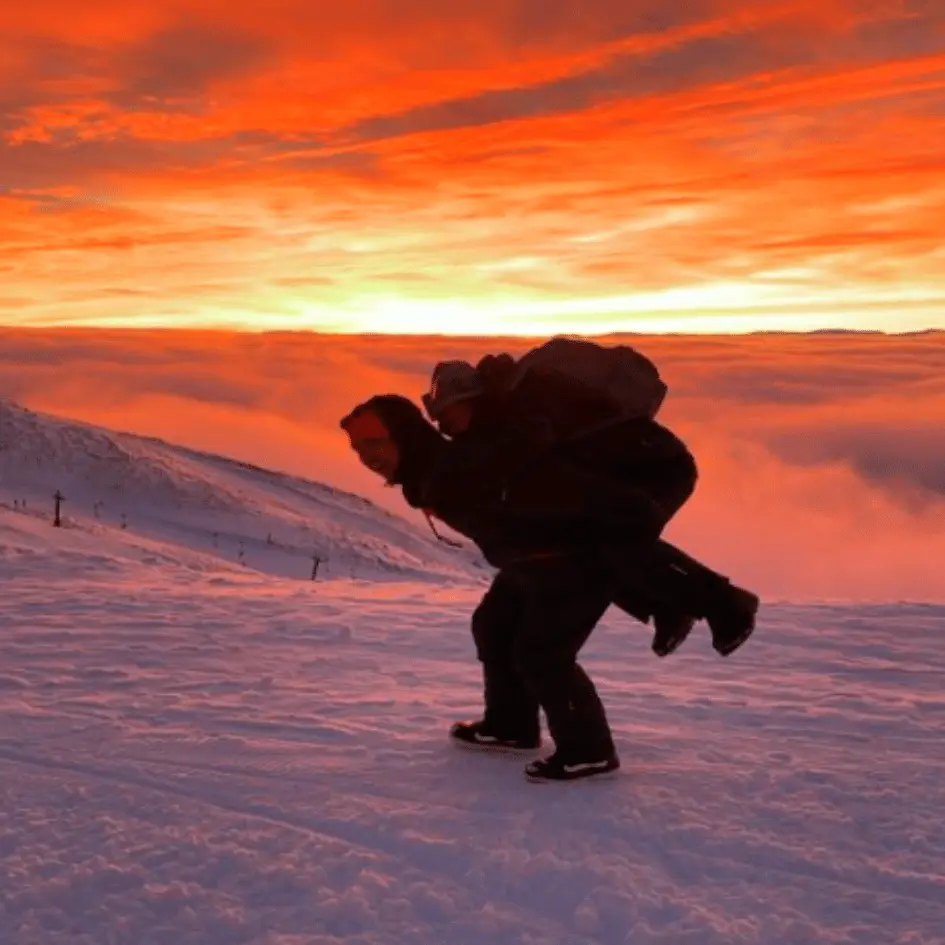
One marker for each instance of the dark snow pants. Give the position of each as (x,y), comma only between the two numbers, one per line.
(528,630)
(651,576)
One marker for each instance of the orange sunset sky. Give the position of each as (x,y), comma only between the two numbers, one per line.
(328,195)
(513,166)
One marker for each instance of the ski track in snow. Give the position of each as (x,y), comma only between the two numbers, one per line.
(196,753)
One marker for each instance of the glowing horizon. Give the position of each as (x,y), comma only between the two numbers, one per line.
(516,169)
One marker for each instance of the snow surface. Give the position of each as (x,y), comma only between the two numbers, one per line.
(195,752)
(263,520)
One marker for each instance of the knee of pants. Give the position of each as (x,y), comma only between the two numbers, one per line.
(541,666)
(495,621)
(678,489)
(491,636)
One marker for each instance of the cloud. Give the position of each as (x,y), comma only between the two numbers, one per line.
(534,23)
(304,281)
(771,382)
(362,163)
(783,157)
(182,63)
(822,472)
(171,69)
(701,60)
(68,158)
(131,241)
(910,458)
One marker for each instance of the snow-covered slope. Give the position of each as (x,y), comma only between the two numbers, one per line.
(194,753)
(260,519)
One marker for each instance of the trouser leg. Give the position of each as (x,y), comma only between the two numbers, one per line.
(511,708)
(562,603)
(668,575)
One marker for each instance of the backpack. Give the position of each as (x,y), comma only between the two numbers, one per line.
(629,378)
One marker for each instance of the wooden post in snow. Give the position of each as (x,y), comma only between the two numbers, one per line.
(57,519)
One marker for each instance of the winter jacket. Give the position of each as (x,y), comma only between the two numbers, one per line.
(557,507)
(541,502)
(467,488)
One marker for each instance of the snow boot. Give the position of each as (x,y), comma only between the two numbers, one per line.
(733,623)
(671,628)
(557,769)
(479,737)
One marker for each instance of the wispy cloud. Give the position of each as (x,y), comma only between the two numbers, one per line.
(778,164)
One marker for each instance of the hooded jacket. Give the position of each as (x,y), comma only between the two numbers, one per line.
(554,508)
(466,486)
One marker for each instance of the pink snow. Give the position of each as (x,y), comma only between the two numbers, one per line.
(196,750)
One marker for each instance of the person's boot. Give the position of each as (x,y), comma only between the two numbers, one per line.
(678,580)
(480,737)
(557,768)
(671,629)
(732,622)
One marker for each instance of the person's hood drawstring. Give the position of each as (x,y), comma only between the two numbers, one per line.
(443,538)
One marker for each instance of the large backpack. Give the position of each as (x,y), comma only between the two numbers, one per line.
(629,378)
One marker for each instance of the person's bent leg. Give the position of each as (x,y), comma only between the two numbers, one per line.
(680,582)
(511,713)
(562,603)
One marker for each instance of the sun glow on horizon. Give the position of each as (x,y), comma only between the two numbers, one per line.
(716,309)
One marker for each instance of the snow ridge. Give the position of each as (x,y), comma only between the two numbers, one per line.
(264,520)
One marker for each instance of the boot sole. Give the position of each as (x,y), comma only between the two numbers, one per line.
(604,776)
(754,605)
(670,647)
(493,749)
(735,644)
